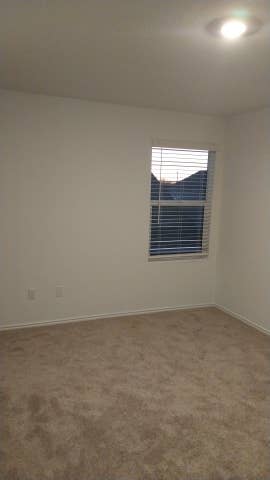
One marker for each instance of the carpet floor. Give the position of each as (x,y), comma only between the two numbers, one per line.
(168,396)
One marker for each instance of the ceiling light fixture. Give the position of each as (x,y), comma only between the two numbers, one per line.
(233,28)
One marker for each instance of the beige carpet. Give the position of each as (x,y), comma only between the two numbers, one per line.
(169,396)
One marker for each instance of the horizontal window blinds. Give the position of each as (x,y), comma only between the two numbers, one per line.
(181,191)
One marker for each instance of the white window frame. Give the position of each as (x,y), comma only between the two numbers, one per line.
(207,203)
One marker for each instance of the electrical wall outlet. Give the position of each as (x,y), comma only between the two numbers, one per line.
(59,291)
(31,294)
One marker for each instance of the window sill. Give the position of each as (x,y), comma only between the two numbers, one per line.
(182,256)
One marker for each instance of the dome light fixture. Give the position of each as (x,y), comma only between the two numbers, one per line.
(234,27)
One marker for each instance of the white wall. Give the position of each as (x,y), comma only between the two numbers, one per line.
(74,206)
(243,281)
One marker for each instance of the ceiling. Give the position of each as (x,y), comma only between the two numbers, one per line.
(151,53)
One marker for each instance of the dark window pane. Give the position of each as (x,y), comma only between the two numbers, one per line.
(176,229)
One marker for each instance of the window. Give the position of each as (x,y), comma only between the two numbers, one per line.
(181,188)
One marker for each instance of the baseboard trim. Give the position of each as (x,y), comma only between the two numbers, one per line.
(85,318)
(242,319)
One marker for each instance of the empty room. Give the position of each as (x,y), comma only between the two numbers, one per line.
(134,240)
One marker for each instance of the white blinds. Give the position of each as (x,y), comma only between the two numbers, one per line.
(181,190)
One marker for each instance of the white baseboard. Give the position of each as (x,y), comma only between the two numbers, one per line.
(243,319)
(85,318)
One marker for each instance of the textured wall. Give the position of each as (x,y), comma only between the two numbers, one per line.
(244,250)
(74,206)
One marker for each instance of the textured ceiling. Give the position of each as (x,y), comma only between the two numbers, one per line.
(153,53)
